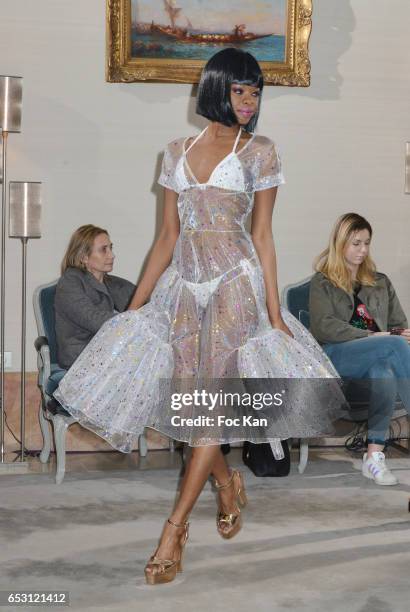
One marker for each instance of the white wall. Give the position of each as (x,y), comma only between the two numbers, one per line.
(97,146)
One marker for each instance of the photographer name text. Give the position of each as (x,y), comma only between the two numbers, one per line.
(221,419)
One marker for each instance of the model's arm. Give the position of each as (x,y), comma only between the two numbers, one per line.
(161,253)
(261,232)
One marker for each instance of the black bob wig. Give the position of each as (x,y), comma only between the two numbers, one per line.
(214,91)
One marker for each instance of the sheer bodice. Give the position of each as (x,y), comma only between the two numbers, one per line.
(213,238)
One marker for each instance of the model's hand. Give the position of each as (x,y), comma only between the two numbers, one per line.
(279,323)
(137,303)
(135,306)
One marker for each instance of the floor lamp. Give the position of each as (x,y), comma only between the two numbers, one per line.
(10,121)
(25,219)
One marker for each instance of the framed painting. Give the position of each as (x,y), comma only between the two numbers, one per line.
(171,40)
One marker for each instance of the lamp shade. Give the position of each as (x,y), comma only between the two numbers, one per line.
(25,210)
(11,95)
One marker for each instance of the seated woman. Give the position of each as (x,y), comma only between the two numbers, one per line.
(354,311)
(86,294)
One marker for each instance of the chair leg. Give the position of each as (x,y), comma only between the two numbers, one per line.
(45,432)
(142,445)
(303,455)
(60,429)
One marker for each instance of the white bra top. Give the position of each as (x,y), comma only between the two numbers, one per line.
(228,174)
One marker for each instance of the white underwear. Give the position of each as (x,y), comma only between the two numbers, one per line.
(203,291)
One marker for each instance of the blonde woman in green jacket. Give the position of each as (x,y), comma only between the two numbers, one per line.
(357,317)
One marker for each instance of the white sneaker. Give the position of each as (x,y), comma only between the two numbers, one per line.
(376,469)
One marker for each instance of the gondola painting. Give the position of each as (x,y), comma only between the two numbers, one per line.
(170,40)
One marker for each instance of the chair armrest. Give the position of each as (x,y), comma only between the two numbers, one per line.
(40,342)
(43,360)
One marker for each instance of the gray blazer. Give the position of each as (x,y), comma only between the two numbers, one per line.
(82,305)
(331,309)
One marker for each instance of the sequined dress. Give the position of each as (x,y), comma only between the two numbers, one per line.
(206,322)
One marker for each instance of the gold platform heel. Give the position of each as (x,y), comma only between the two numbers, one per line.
(165,570)
(228,525)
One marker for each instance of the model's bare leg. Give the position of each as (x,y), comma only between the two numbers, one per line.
(220,468)
(204,461)
(196,474)
(222,473)
(227,498)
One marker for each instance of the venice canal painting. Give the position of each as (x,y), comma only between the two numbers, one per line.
(196,29)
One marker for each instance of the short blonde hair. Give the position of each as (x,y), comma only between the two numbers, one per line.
(331,262)
(80,246)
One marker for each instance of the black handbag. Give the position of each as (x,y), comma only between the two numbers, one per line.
(260,460)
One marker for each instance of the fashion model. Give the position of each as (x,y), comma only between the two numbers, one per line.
(356,314)
(213,312)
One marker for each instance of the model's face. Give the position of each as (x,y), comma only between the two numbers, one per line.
(357,248)
(101,258)
(245,102)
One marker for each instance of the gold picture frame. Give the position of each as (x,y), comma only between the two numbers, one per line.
(126,38)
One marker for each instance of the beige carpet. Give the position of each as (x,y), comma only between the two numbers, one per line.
(325,541)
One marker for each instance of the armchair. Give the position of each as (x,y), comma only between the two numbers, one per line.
(296,299)
(49,376)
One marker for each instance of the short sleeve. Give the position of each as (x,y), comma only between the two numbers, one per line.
(167,176)
(270,169)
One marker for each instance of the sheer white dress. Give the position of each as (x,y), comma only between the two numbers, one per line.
(206,326)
